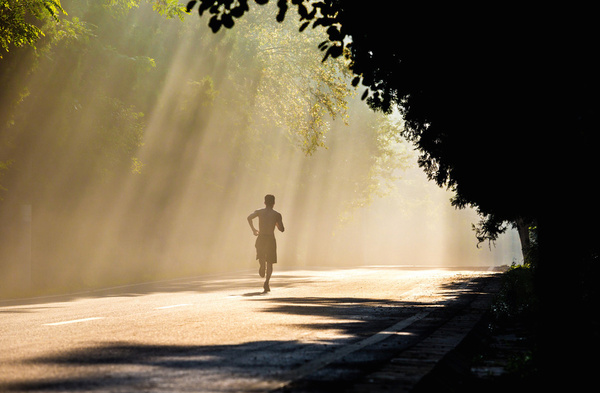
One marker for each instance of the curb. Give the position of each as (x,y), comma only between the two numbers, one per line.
(413,369)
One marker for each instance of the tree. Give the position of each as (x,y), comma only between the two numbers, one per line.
(107,115)
(294,90)
(454,76)
(16,25)
(66,114)
(501,104)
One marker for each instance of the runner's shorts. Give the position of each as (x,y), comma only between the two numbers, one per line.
(266,248)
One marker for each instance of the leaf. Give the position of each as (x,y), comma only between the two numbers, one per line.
(365,94)
(190,5)
(227,20)
(304,26)
(334,34)
(204,5)
(302,11)
(214,24)
(282,4)
(334,51)
(237,11)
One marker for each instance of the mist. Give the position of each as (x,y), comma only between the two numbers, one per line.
(135,146)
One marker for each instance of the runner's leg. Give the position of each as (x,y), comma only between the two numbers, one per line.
(261,269)
(269,272)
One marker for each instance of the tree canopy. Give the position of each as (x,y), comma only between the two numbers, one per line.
(480,89)
(20,20)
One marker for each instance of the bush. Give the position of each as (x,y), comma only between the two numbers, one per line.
(516,299)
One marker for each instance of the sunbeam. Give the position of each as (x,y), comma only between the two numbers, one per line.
(134,147)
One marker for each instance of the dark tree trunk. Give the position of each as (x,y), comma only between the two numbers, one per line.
(523,229)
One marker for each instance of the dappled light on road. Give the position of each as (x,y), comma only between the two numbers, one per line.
(189,333)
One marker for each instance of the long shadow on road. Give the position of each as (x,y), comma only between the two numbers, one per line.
(259,365)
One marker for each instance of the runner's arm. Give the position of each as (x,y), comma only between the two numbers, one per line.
(250,218)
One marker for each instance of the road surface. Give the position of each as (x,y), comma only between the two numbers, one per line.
(220,334)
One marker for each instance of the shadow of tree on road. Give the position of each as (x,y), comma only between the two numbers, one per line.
(262,365)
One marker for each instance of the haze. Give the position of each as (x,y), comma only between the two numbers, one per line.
(136,147)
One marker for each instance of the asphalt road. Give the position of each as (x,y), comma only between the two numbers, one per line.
(220,334)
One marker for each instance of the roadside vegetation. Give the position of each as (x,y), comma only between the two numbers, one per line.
(513,318)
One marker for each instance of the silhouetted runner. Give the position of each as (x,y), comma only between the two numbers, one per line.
(266,246)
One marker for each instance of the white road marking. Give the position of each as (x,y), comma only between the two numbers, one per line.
(96,318)
(72,321)
(173,306)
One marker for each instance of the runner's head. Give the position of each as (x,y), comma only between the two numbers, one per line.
(269,200)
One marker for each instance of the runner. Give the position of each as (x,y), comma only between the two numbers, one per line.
(266,246)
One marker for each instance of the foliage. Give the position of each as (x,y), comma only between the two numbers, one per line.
(386,153)
(118,138)
(166,8)
(517,298)
(169,8)
(294,90)
(502,105)
(16,27)
(478,101)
